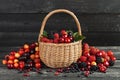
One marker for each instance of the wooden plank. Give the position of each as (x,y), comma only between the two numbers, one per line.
(44,6)
(96,39)
(18,35)
(32,22)
(111,74)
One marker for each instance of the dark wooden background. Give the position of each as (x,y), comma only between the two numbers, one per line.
(20,20)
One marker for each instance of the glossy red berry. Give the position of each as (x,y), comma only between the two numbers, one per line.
(10,66)
(93,50)
(63,32)
(11,57)
(71,39)
(92,58)
(56,35)
(113,58)
(99,54)
(64,36)
(87,54)
(103,69)
(38,65)
(106,63)
(56,40)
(83,58)
(110,53)
(61,40)
(86,73)
(85,46)
(67,40)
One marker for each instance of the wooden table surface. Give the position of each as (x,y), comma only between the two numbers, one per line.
(113,73)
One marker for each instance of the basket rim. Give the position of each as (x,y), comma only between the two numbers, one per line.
(65,44)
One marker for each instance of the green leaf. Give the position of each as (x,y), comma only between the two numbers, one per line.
(78,37)
(44,33)
(75,34)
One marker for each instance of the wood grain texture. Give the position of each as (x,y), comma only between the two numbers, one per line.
(100,29)
(112,73)
(32,22)
(44,6)
(97,39)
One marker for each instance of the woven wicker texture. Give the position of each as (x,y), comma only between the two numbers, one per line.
(63,54)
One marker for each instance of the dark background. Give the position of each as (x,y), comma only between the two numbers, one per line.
(20,20)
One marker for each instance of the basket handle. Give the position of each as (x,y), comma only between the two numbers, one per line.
(59,11)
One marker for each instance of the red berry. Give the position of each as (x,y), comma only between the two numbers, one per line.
(103,69)
(56,40)
(64,36)
(67,40)
(71,39)
(56,35)
(26,46)
(93,63)
(87,54)
(44,39)
(91,58)
(93,50)
(4,62)
(56,73)
(21,52)
(21,66)
(86,73)
(38,65)
(99,54)
(63,32)
(110,53)
(11,57)
(88,63)
(17,55)
(16,65)
(61,40)
(85,46)
(100,65)
(83,58)
(113,58)
(107,58)
(51,41)
(104,54)
(10,66)
(106,63)
(12,53)
(32,46)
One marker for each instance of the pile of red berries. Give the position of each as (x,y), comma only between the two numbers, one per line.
(26,58)
(62,37)
(92,59)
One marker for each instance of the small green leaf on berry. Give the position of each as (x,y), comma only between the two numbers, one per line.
(44,34)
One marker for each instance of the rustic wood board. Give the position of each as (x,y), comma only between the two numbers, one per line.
(112,73)
(44,6)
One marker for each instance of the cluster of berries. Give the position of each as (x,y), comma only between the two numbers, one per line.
(92,59)
(25,59)
(62,37)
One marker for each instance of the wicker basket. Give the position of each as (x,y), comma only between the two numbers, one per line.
(63,54)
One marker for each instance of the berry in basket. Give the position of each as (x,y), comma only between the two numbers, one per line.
(63,37)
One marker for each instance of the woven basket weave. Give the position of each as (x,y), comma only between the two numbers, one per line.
(63,54)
